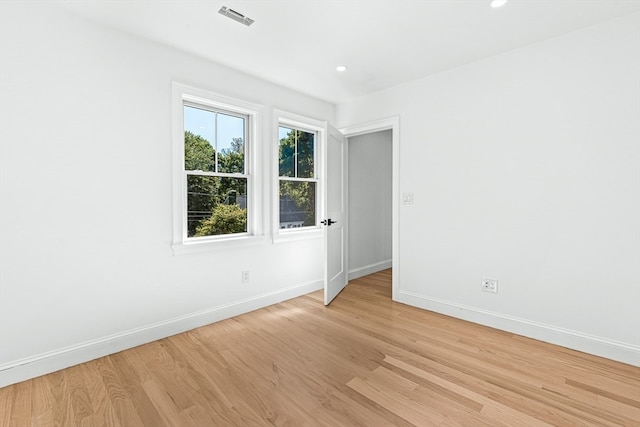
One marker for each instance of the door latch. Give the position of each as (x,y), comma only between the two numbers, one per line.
(328,222)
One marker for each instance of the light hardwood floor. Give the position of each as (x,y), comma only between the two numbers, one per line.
(362,361)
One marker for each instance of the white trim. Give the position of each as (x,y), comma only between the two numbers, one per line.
(297,121)
(392,123)
(369,269)
(610,349)
(180,244)
(31,367)
(347,215)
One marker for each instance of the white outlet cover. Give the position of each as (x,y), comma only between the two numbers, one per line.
(407,198)
(490,285)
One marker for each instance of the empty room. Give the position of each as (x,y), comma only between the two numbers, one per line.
(320,213)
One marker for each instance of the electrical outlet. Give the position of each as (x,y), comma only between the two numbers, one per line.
(245,276)
(490,285)
(407,198)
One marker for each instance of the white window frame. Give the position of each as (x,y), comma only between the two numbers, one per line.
(181,95)
(284,118)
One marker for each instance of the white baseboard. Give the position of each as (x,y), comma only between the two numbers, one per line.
(369,269)
(610,349)
(31,367)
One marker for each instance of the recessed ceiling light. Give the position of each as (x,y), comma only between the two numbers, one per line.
(236,16)
(341,68)
(498,3)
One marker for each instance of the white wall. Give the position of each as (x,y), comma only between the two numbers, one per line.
(526,168)
(369,203)
(85,213)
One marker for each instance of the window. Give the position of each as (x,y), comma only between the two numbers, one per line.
(298,183)
(213,173)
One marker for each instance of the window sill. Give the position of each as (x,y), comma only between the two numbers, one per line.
(182,248)
(297,235)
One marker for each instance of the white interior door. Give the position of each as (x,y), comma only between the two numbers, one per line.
(335,257)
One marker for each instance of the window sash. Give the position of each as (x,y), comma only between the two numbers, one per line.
(187,214)
(217,111)
(296,152)
(300,213)
(220,174)
(288,178)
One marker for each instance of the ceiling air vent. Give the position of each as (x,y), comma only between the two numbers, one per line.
(236,16)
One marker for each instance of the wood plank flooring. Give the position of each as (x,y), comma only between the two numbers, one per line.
(362,361)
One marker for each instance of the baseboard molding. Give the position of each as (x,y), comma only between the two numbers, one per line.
(369,269)
(31,367)
(610,349)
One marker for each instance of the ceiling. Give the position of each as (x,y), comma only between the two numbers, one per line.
(298,43)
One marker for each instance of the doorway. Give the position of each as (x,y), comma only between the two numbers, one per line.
(383,130)
(369,203)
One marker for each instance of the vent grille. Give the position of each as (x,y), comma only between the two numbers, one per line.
(236,16)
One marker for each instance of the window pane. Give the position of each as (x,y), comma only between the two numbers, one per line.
(296,153)
(287,151)
(230,140)
(305,154)
(216,205)
(199,139)
(297,204)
